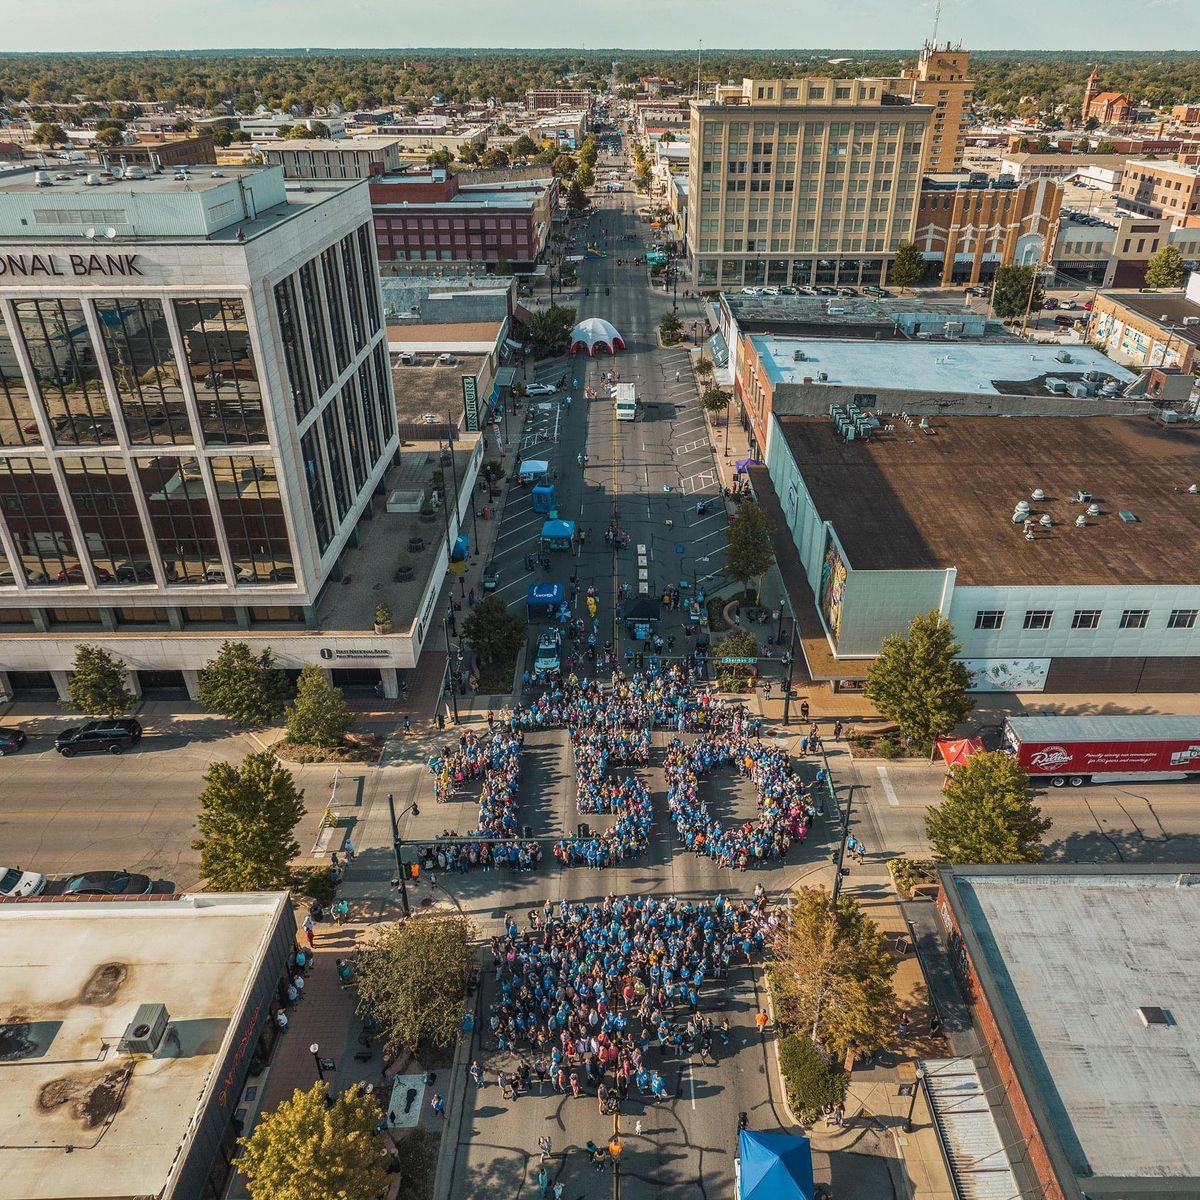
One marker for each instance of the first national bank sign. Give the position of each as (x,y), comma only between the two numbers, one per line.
(35,266)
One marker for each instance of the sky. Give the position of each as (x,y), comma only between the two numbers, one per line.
(636,24)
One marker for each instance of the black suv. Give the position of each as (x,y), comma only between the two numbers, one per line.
(113,734)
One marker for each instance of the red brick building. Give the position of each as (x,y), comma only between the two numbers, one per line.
(436,218)
(1109,108)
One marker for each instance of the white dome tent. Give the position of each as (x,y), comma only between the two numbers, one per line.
(593,332)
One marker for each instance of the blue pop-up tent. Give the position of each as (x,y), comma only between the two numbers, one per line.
(545,498)
(544,598)
(558,535)
(774,1166)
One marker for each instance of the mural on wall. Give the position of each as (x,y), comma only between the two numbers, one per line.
(1007,674)
(833,587)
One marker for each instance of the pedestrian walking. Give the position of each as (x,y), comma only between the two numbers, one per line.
(761,1019)
(477,1073)
(308,930)
(725,1031)
(804,710)
(543,1181)
(637,1127)
(438,1105)
(676,376)
(298,984)
(558,1191)
(837,731)
(544,1147)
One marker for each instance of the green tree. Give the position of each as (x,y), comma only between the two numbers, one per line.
(1104,146)
(987,814)
(908,267)
(310,1147)
(588,153)
(1011,293)
(47,133)
(494,631)
(1042,145)
(468,153)
(97,685)
(585,176)
(917,681)
(831,970)
(715,399)
(564,166)
(493,158)
(670,326)
(524,147)
(642,175)
(577,199)
(748,549)
(1165,269)
(245,687)
(737,677)
(247,822)
(812,1079)
(439,158)
(318,716)
(412,979)
(110,136)
(666,137)
(221,136)
(548,329)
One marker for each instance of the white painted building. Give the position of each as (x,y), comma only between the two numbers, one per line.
(196,418)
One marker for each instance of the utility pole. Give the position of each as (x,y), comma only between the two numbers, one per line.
(453,693)
(787,684)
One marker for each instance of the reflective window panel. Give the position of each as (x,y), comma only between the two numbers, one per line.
(180,520)
(33,511)
(101,493)
(252,515)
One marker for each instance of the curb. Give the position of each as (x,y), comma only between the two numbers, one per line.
(454,1093)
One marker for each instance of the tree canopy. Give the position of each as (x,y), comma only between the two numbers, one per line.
(318,716)
(493,630)
(97,685)
(917,682)
(1012,292)
(748,549)
(245,687)
(308,1147)
(832,970)
(411,977)
(548,329)
(908,267)
(987,814)
(247,822)
(1165,269)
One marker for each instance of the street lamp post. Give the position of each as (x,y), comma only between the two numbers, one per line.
(787,683)
(397,846)
(315,1050)
(453,694)
(918,1079)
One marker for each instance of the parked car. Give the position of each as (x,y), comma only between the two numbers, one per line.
(1050,303)
(111,735)
(849,292)
(540,389)
(16,883)
(977,290)
(749,291)
(876,293)
(548,648)
(107,883)
(74,574)
(135,572)
(491,579)
(11,740)
(787,291)
(1064,321)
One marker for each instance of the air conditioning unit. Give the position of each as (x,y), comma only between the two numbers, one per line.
(798,356)
(146,1031)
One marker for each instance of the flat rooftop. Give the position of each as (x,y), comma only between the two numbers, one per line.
(429,335)
(80,1118)
(911,501)
(1066,958)
(1010,366)
(1167,309)
(366,142)
(427,387)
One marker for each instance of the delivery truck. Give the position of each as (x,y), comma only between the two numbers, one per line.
(625,402)
(1104,749)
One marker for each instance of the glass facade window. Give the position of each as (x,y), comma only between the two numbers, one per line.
(318,493)
(142,616)
(216,336)
(354,296)
(209,616)
(366,266)
(277,615)
(989,618)
(370,412)
(16,617)
(34,514)
(142,359)
(180,519)
(334,300)
(310,298)
(252,516)
(56,336)
(337,460)
(358,461)
(383,394)
(102,496)
(17,426)
(293,348)
(77,617)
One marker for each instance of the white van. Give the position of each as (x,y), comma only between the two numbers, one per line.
(625,402)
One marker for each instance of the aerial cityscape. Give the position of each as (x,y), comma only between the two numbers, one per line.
(607,610)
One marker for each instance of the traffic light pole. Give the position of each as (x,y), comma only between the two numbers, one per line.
(397,844)
(787,685)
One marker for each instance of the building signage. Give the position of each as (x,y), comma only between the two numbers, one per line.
(1007,674)
(471,402)
(30,266)
(329,654)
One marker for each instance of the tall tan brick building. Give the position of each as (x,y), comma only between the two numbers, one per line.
(941,78)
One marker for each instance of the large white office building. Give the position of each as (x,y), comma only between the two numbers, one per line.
(196,411)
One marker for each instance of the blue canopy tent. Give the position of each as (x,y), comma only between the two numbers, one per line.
(774,1166)
(532,470)
(558,535)
(544,598)
(545,498)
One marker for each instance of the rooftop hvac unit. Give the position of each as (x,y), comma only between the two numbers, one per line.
(1081,522)
(1045,520)
(798,356)
(1094,376)
(823,376)
(146,1031)
(1169,416)
(1190,321)
(1093,510)
(1081,387)
(924,336)
(1037,494)
(850,434)
(1063,356)
(1057,386)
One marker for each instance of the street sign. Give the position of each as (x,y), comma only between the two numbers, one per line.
(471,402)
(738,662)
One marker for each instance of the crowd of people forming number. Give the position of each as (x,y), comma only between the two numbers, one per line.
(610,732)
(596,994)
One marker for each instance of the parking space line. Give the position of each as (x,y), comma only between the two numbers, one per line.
(514,583)
(527,525)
